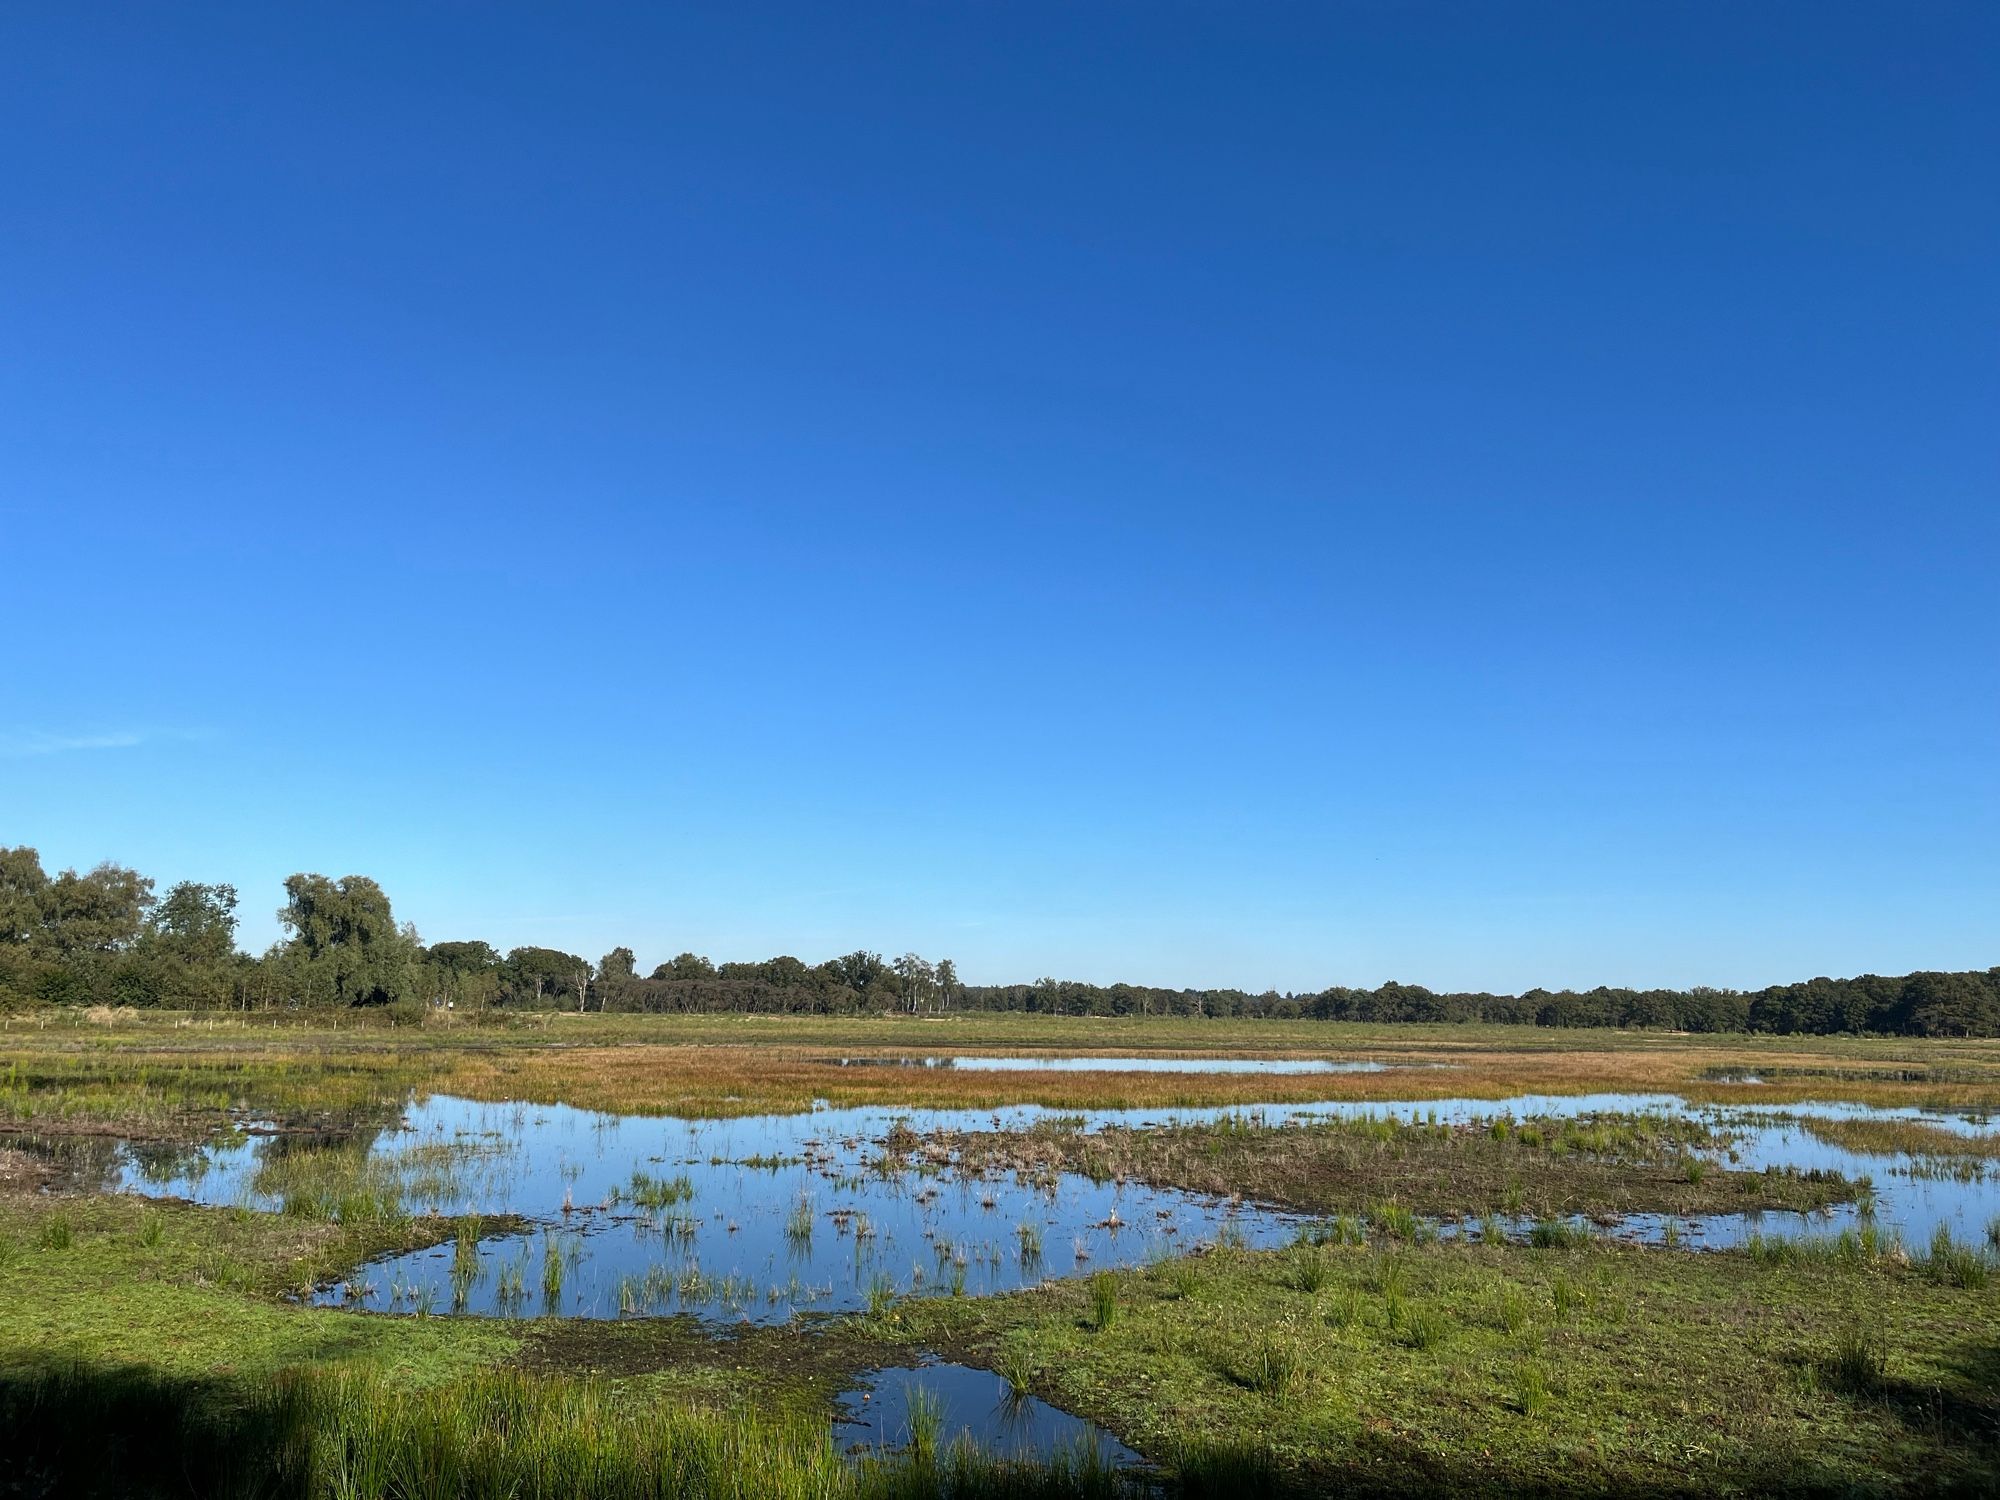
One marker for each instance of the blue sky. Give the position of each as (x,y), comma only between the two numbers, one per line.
(1196,494)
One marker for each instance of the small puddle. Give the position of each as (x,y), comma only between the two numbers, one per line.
(942,1403)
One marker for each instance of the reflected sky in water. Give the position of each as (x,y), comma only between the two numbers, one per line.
(792,1212)
(970,1403)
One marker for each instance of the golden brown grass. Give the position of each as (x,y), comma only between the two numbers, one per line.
(1911,1136)
(70,1074)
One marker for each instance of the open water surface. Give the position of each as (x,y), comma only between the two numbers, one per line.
(760,1217)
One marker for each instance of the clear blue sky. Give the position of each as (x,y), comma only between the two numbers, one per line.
(1479,495)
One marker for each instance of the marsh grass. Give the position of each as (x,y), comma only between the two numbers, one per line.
(165,1073)
(1422,1327)
(510,1288)
(923,1423)
(1215,1468)
(1275,1364)
(1308,1271)
(1389,1275)
(1558,1234)
(1564,1296)
(1405,1174)
(1103,1293)
(650,1192)
(1028,1236)
(1905,1137)
(1849,1247)
(552,1271)
(57,1233)
(1345,1309)
(1180,1278)
(799,1223)
(1952,1264)
(1859,1362)
(152,1228)
(1396,1220)
(1013,1365)
(1531,1390)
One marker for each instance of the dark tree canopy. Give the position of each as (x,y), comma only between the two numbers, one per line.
(101,937)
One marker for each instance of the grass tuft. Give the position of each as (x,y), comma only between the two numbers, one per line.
(1423,1327)
(1531,1390)
(1859,1362)
(1103,1300)
(1308,1272)
(1953,1264)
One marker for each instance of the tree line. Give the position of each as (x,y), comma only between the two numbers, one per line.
(106,937)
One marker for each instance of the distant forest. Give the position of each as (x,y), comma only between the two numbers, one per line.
(106,937)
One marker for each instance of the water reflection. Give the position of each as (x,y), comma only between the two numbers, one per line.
(937,1403)
(757,1218)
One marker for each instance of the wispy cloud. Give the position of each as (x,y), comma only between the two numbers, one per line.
(18,743)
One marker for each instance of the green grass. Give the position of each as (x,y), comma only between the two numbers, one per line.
(1422,1327)
(1310,1271)
(1103,1300)
(1470,1367)
(1858,1362)
(343,1435)
(1407,1370)
(1558,1234)
(799,1224)
(1276,1364)
(1954,1264)
(552,1271)
(1531,1390)
(1404,1175)
(650,1192)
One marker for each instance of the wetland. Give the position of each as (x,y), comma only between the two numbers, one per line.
(1079,1276)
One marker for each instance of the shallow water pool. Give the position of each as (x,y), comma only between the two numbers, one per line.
(959,1401)
(758,1218)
